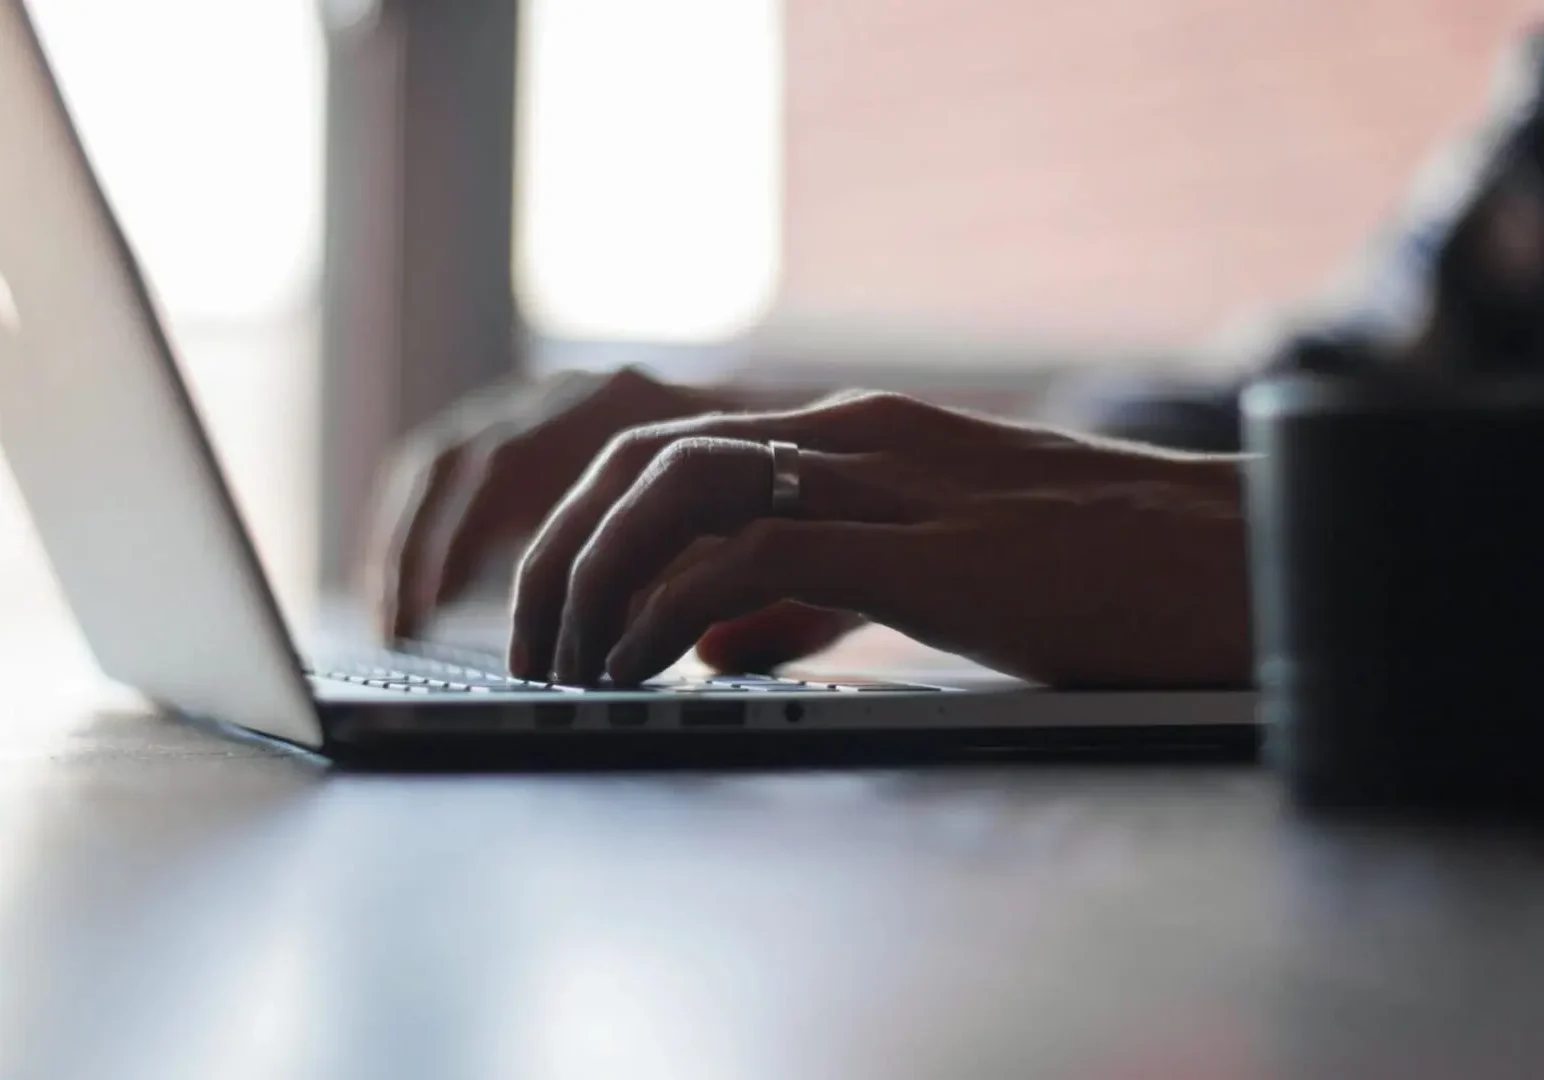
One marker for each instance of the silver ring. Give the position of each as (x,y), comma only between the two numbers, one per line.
(785,478)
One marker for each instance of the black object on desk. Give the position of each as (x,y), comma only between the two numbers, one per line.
(1397,534)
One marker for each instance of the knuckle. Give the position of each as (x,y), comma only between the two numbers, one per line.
(840,397)
(886,404)
(681,461)
(638,445)
(629,455)
(424,444)
(471,472)
(879,407)
(446,462)
(501,447)
(630,451)
(629,380)
(418,469)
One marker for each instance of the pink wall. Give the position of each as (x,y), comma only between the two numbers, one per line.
(1113,169)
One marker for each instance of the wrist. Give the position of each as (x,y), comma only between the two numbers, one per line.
(1218,478)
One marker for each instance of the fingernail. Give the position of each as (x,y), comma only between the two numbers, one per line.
(619,664)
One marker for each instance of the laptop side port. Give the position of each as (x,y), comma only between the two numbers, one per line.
(712,713)
(555,716)
(629,714)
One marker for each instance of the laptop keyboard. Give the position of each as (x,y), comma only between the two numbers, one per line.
(419,675)
(434,670)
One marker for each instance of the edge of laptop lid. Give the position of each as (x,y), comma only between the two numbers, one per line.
(104,442)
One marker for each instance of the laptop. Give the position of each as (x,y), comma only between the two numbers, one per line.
(117,472)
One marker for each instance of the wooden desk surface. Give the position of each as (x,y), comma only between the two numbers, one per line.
(173,905)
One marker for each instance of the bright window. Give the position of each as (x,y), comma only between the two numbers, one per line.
(204,120)
(650,167)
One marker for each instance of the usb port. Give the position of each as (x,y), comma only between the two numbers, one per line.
(555,716)
(628,714)
(712,713)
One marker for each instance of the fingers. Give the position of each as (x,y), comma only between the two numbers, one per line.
(423,486)
(843,566)
(696,488)
(456,537)
(411,512)
(485,474)
(515,481)
(767,639)
(764,640)
(863,423)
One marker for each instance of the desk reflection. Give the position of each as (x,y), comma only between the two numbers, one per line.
(175,906)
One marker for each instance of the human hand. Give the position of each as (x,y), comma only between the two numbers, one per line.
(1037,553)
(477,481)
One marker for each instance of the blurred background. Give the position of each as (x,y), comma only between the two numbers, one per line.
(354,211)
